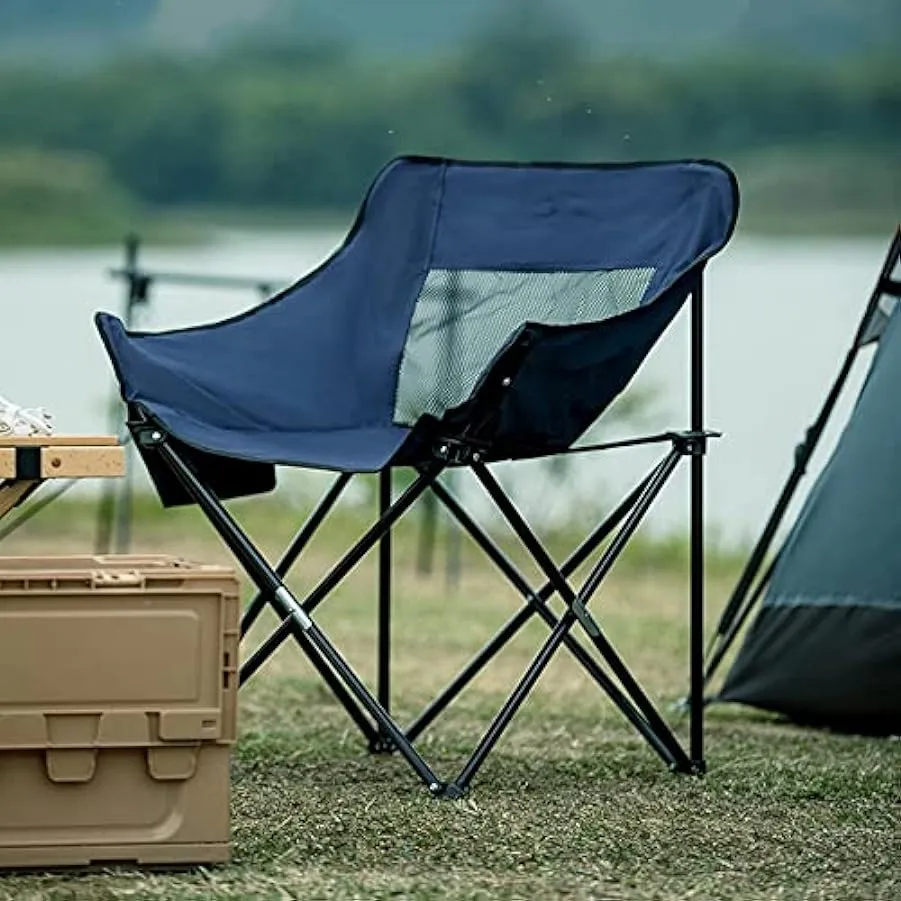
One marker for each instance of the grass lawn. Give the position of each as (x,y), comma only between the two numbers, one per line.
(570,805)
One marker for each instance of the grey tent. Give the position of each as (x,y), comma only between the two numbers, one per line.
(825,648)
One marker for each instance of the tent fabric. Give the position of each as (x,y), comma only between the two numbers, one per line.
(826,645)
(312,377)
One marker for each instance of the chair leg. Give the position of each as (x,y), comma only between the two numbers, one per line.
(383,677)
(287,605)
(696,515)
(664,738)
(511,706)
(536,600)
(297,545)
(537,605)
(577,601)
(289,628)
(363,704)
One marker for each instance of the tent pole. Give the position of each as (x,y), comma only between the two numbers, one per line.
(114,507)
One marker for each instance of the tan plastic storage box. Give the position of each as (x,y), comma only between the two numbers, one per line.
(118,689)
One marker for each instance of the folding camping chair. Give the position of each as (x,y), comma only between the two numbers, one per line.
(475,313)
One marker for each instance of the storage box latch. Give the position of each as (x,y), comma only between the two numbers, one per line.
(110,578)
(172,764)
(71,764)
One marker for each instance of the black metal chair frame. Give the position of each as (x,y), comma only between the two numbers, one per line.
(371,712)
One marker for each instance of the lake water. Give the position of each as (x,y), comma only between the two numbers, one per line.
(779,317)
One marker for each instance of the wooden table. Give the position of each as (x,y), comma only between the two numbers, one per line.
(25,463)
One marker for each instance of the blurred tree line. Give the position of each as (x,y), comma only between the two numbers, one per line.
(270,123)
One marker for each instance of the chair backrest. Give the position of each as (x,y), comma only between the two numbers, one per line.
(558,247)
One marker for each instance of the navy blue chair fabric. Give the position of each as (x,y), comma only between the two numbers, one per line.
(310,378)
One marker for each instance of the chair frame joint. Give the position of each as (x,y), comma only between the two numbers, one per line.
(148,435)
(692,443)
(455,452)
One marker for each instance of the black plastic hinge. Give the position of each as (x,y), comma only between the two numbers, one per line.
(692,444)
(457,453)
(148,436)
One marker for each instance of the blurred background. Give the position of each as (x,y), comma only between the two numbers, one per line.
(238,136)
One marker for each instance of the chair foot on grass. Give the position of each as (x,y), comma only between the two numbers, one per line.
(450,791)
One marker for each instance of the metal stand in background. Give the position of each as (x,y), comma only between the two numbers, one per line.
(454,563)
(431,516)
(114,511)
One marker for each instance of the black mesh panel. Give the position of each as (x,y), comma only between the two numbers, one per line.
(463,318)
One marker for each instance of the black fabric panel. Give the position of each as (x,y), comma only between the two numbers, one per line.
(226,477)
(562,379)
(836,667)
(573,374)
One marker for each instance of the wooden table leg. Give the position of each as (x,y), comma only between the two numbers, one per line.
(13,492)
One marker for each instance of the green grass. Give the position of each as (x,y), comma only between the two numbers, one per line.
(570,805)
